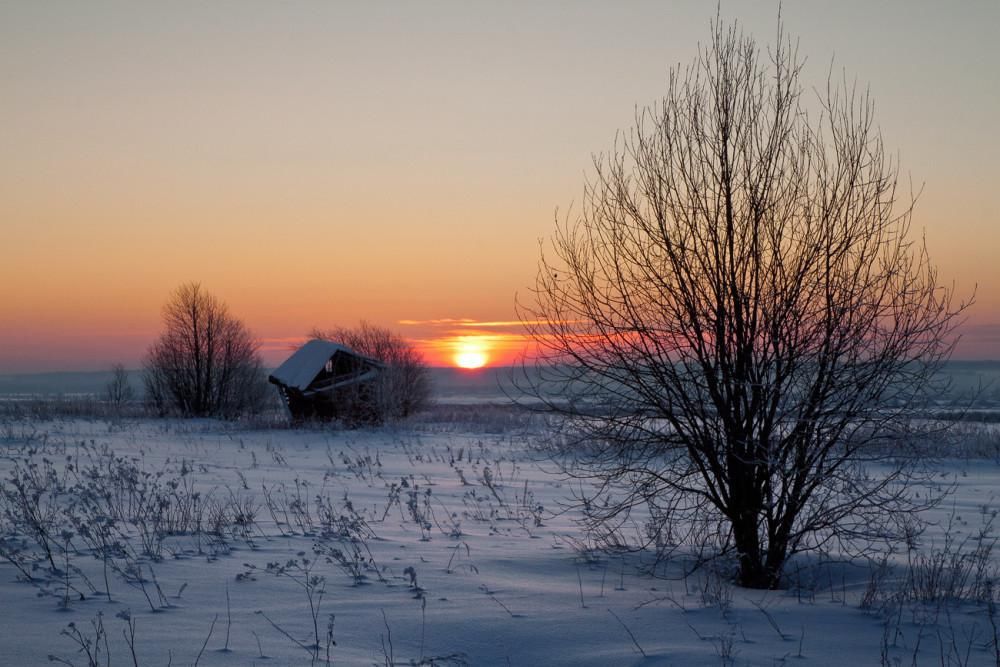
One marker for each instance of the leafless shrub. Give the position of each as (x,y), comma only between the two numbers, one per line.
(877,594)
(715,589)
(205,363)
(955,570)
(118,391)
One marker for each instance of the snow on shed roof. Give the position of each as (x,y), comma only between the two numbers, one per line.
(300,369)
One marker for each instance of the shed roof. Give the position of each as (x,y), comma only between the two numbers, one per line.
(300,369)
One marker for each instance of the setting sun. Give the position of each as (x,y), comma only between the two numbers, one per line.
(470,359)
(470,354)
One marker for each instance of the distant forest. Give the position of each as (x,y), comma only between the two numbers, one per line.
(486,384)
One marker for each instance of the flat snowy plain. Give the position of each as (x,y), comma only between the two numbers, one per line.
(441,541)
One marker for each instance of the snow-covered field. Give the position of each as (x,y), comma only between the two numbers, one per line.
(440,541)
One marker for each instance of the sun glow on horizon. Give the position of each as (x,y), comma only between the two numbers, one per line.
(470,353)
(460,343)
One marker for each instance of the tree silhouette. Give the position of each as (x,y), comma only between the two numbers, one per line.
(738,324)
(205,362)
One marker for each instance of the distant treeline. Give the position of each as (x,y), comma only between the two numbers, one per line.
(488,384)
(447,382)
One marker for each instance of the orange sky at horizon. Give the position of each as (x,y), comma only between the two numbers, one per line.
(441,345)
(320,164)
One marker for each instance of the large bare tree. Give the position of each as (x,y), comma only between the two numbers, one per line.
(205,362)
(738,320)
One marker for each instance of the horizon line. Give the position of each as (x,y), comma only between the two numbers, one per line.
(458,369)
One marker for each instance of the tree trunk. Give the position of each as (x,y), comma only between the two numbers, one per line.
(759,568)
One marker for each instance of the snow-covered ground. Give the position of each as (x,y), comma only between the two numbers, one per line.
(440,541)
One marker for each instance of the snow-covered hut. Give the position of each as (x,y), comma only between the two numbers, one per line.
(326,380)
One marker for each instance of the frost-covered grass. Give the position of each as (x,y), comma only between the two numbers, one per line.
(441,541)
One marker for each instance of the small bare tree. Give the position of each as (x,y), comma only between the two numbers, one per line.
(205,363)
(737,322)
(404,387)
(118,392)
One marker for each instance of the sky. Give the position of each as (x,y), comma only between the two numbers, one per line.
(316,164)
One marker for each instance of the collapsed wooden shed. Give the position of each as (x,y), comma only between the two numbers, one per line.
(325,380)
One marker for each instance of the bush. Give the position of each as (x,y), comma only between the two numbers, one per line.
(206,362)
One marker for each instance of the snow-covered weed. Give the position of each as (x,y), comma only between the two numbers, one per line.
(956,569)
(301,572)
(91,643)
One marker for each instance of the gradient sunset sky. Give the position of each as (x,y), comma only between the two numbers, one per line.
(319,163)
